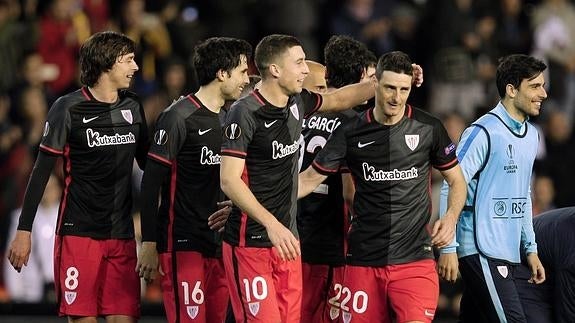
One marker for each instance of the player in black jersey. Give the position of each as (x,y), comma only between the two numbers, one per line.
(323,217)
(554,299)
(389,150)
(98,130)
(258,173)
(184,162)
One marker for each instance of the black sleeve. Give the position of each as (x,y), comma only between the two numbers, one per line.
(36,185)
(154,175)
(144,141)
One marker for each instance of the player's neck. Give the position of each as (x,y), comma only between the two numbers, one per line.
(273,93)
(104,93)
(211,97)
(386,120)
(513,111)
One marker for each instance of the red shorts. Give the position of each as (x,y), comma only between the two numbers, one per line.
(201,283)
(320,297)
(411,290)
(96,277)
(263,288)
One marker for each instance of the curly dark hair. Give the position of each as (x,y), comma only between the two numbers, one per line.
(345,60)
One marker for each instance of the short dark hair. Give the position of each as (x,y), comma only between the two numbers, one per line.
(345,60)
(218,53)
(270,48)
(100,52)
(513,69)
(396,61)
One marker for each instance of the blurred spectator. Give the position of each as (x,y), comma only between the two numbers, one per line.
(36,281)
(99,13)
(174,83)
(454,84)
(543,194)
(513,32)
(16,38)
(367,21)
(63,28)
(558,163)
(554,23)
(295,17)
(34,108)
(29,98)
(152,40)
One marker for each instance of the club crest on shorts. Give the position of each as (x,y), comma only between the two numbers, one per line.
(412,141)
(70,297)
(254,308)
(294,111)
(127,114)
(192,311)
(503,271)
(346,316)
(333,313)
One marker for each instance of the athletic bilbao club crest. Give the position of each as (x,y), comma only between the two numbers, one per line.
(333,313)
(503,271)
(70,297)
(192,311)
(294,111)
(254,308)
(346,316)
(412,141)
(127,114)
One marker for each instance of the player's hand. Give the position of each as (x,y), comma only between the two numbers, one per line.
(283,240)
(448,266)
(443,232)
(218,219)
(537,270)
(147,266)
(19,251)
(417,75)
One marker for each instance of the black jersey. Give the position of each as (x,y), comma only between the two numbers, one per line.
(322,216)
(391,170)
(188,139)
(556,249)
(98,142)
(267,137)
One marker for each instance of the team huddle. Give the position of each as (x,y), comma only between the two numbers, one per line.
(303,201)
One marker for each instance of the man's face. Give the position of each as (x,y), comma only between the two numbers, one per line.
(236,80)
(529,96)
(292,70)
(123,70)
(392,92)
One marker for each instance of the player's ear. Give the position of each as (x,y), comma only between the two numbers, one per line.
(221,75)
(510,90)
(274,70)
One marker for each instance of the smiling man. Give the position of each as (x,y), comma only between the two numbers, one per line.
(259,174)
(97,130)
(496,154)
(184,161)
(389,150)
